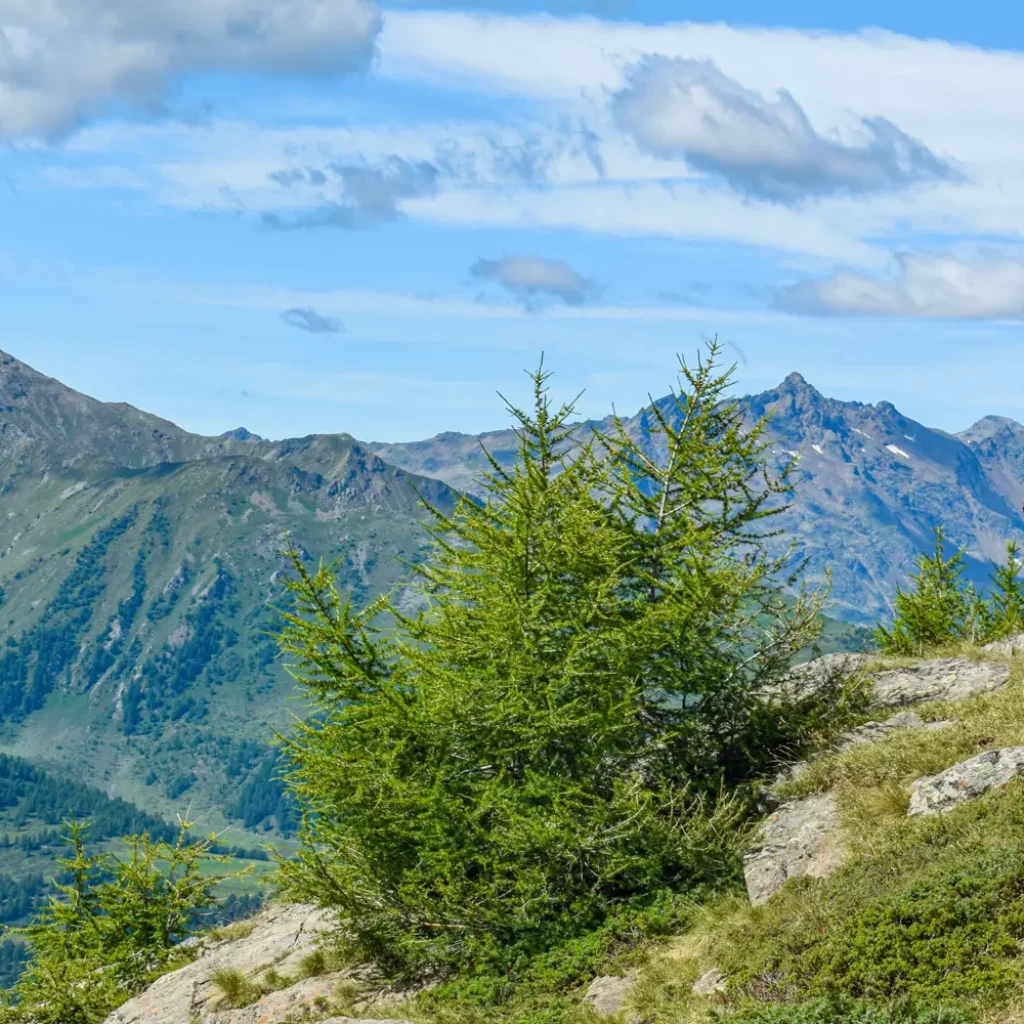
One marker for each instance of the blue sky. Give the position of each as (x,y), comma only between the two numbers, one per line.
(302,215)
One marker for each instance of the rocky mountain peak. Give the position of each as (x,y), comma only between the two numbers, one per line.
(241,434)
(990,427)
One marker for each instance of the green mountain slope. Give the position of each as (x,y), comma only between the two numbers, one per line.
(136,566)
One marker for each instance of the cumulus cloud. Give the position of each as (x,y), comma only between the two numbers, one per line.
(365,194)
(308,319)
(677,108)
(925,285)
(532,279)
(65,60)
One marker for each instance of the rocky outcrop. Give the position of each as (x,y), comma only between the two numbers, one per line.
(944,679)
(306,1000)
(804,837)
(800,838)
(1011,646)
(813,675)
(939,679)
(946,790)
(280,938)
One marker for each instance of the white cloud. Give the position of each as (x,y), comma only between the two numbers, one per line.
(925,285)
(680,210)
(367,194)
(535,278)
(541,57)
(64,60)
(768,149)
(570,68)
(231,164)
(947,102)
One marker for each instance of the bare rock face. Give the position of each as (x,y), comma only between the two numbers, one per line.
(940,679)
(803,837)
(943,679)
(608,994)
(944,791)
(282,935)
(814,674)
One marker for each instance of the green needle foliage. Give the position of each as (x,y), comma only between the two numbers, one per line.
(112,929)
(941,609)
(566,726)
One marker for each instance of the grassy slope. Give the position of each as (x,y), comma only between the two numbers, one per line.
(927,910)
(924,923)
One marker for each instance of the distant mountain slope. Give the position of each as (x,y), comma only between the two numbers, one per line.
(136,565)
(138,562)
(871,485)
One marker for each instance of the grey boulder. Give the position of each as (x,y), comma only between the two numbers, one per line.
(872,732)
(302,1001)
(608,994)
(943,679)
(282,935)
(802,837)
(1010,646)
(946,790)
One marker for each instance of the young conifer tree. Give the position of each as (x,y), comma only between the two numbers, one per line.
(1006,605)
(692,493)
(552,737)
(937,610)
(112,928)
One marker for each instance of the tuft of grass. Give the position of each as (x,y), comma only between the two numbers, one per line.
(878,805)
(313,964)
(272,980)
(322,960)
(344,998)
(663,993)
(236,988)
(233,932)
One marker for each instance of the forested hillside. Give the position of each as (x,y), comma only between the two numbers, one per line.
(139,567)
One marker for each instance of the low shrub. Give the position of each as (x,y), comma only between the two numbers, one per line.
(845,1011)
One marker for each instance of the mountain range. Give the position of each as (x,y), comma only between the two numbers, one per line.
(871,486)
(139,563)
